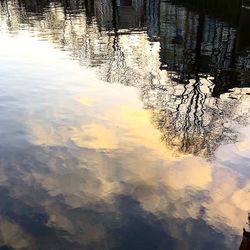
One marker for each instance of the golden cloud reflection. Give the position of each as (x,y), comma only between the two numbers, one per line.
(122,154)
(94,136)
(85,100)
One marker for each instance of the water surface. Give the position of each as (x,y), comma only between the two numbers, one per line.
(124,125)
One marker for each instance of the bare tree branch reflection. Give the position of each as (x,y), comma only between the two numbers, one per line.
(179,59)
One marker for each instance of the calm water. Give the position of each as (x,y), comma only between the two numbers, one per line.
(124,124)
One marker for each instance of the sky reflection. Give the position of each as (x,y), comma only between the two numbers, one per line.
(86,164)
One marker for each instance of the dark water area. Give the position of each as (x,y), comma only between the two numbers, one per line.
(124,124)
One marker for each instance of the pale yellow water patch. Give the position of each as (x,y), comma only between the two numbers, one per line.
(191,172)
(136,122)
(85,100)
(94,136)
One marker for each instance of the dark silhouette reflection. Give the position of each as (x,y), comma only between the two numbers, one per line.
(191,126)
(201,51)
(245,243)
(117,63)
(199,39)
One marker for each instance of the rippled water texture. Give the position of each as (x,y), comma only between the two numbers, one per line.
(124,124)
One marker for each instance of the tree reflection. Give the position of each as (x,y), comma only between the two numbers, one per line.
(190,120)
(178,59)
(116,67)
(194,126)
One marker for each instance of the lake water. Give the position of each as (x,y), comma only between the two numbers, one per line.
(124,124)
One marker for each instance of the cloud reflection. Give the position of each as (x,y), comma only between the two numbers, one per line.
(90,170)
(125,157)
